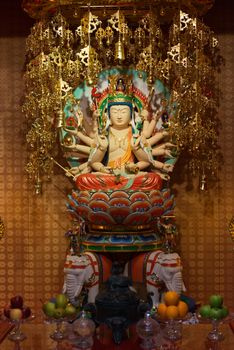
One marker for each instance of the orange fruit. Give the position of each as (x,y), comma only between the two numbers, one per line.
(171,298)
(172,312)
(162,310)
(182,308)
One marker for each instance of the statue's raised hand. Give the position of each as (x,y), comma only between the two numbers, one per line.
(166,149)
(102,142)
(167,168)
(144,114)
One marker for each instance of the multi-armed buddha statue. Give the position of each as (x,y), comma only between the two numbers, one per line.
(126,90)
(122,198)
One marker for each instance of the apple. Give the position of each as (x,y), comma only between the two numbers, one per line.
(59,312)
(205,311)
(49,308)
(225,311)
(17,302)
(26,312)
(216,313)
(70,310)
(61,301)
(216,301)
(16,314)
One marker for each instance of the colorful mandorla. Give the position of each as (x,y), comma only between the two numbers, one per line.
(121,155)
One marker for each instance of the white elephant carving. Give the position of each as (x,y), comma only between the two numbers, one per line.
(154,269)
(87,270)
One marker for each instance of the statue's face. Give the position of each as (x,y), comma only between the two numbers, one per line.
(120,116)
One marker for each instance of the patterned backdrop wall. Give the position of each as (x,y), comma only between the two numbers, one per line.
(33,249)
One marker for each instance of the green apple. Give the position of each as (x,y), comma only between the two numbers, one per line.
(49,308)
(225,311)
(216,313)
(16,314)
(216,301)
(70,310)
(205,311)
(59,312)
(61,301)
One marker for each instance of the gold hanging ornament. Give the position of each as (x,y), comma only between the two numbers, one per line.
(65,50)
(119,51)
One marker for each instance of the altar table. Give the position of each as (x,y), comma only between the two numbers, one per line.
(194,337)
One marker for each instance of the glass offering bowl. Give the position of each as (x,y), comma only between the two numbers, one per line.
(147,329)
(173,330)
(84,329)
(17,335)
(60,331)
(215,334)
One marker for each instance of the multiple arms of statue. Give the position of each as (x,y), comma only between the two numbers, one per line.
(96,158)
(144,148)
(148,127)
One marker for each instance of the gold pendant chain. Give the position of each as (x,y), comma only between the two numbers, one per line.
(120,141)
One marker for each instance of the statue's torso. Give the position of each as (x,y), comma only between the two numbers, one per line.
(119,147)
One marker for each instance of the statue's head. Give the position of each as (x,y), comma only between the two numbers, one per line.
(119,102)
(120,116)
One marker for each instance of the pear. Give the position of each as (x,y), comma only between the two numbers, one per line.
(70,310)
(61,301)
(59,312)
(49,309)
(16,314)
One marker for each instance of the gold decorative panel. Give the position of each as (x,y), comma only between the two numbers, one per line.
(204,217)
(33,248)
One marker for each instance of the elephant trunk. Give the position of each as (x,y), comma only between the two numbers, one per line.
(72,287)
(176,283)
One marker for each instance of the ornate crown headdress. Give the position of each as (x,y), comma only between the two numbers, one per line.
(120,90)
